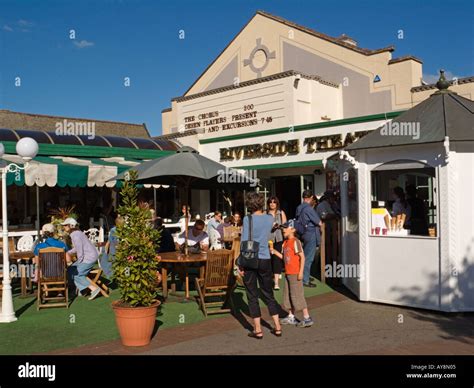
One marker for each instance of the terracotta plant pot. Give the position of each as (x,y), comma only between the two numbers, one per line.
(135,324)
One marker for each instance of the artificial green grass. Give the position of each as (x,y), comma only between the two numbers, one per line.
(88,322)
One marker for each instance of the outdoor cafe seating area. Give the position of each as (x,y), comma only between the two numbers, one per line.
(210,274)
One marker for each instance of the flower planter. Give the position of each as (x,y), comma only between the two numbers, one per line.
(135,324)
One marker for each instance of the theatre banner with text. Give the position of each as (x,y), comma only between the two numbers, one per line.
(241,110)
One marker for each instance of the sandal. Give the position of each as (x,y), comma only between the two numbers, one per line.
(276,333)
(256,335)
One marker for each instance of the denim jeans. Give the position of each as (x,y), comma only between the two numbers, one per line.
(78,273)
(310,244)
(106,265)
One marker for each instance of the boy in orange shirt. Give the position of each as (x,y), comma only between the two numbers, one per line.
(293,294)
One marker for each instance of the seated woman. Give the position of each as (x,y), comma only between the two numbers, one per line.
(86,254)
(49,241)
(237,219)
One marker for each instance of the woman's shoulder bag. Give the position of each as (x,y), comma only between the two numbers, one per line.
(248,258)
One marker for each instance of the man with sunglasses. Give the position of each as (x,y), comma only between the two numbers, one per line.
(196,235)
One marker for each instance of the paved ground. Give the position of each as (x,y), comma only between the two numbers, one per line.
(343,326)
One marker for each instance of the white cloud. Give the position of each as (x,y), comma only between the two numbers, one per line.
(433,78)
(21,25)
(83,44)
(25,23)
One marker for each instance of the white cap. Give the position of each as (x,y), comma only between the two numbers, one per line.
(48,228)
(69,221)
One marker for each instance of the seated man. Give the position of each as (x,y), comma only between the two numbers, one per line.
(49,241)
(86,254)
(196,235)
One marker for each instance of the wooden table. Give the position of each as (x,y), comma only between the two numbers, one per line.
(176,259)
(28,257)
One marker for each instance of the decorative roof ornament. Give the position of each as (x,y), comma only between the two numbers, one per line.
(345,155)
(443,84)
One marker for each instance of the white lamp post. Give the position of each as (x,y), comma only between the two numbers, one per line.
(27,148)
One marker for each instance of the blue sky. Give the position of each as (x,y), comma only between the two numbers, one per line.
(140,39)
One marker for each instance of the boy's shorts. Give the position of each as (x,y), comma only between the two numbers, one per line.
(293,294)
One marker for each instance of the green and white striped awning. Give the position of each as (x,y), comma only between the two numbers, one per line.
(69,171)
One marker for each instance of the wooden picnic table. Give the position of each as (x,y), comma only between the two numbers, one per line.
(178,259)
(19,257)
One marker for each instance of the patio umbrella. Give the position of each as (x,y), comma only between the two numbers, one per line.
(189,169)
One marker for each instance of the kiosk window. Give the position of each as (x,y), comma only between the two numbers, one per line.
(404,200)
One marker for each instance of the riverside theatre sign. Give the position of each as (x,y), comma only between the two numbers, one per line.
(289,147)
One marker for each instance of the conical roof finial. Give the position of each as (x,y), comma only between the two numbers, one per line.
(443,83)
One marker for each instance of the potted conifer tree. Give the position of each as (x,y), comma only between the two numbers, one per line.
(135,269)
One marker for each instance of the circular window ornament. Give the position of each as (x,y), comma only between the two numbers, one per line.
(259,58)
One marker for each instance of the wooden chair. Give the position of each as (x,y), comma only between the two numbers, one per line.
(11,244)
(94,277)
(11,250)
(218,282)
(52,278)
(231,232)
(96,236)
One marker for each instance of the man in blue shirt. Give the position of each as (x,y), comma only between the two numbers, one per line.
(49,241)
(312,235)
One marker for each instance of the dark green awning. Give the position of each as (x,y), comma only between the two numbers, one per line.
(65,171)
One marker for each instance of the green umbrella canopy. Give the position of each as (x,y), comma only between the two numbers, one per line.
(188,168)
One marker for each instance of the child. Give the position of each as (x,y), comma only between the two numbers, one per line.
(293,294)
